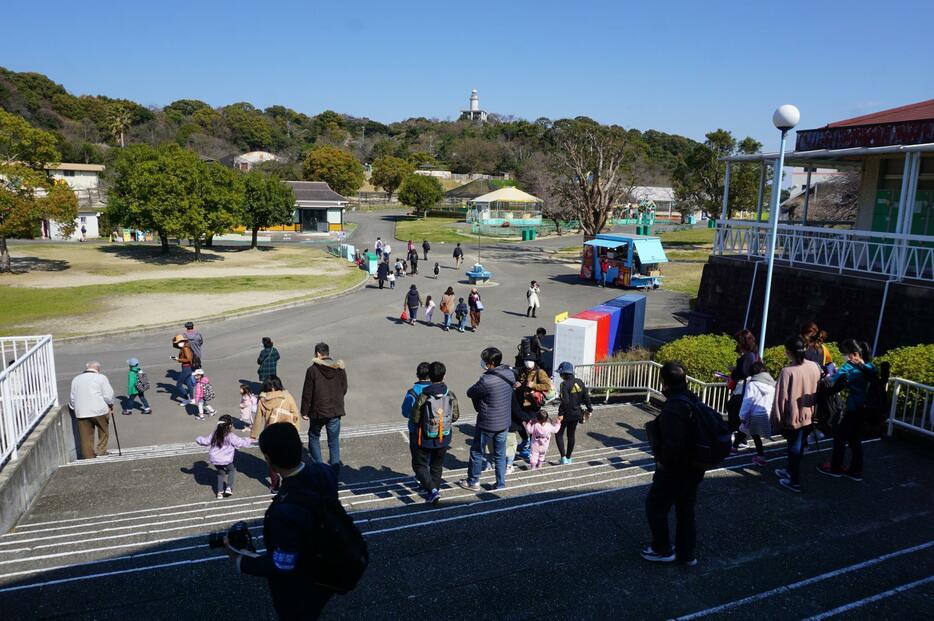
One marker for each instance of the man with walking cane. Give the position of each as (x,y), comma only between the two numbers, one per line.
(91,400)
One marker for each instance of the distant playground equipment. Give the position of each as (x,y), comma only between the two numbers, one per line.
(631,261)
(478,275)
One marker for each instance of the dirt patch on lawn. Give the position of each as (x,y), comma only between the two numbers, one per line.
(44,280)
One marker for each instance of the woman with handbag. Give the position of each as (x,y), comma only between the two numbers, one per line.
(739,376)
(448,303)
(476,307)
(532,390)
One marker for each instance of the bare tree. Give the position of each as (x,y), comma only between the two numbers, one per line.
(594,169)
(536,175)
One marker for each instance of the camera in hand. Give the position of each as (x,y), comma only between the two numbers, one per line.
(238,535)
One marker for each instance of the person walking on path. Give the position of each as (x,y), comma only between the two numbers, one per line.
(676,478)
(756,408)
(532,297)
(460,314)
(426,248)
(382,272)
(378,249)
(136,386)
(413,262)
(447,307)
(413,301)
(276,405)
(476,307)
(739,375)
(492,398)
(224,444)
(323,403)
(184,384)
(204,392)
(857,374)
(429,310)
(793,408)
(434,415)
(541,432)
(458,255)
(84,233)
(248,406)
(409,247)
(268,360)
(422,374)
(574,398)
(532,387)
(195,341)
(91,399)
(392,280)
(387,251)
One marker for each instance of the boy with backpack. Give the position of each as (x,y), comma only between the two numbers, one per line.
(433,416)
(137,383)
(687,438)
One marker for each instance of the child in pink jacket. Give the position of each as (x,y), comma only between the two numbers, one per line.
(203,394)
(248,404)
(541,433)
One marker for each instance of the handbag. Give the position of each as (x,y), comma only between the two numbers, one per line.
(405,315)
(479,305)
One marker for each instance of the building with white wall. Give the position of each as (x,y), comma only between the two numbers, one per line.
(318,208)
(84,179)
(248,161)
(474,113)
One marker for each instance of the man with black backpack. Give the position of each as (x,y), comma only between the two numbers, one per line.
(433,415)
(313,548)
(674,438)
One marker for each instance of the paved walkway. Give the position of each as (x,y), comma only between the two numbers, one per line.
(362,328)
(124,538)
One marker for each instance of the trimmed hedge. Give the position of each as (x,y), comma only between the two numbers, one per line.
(705,354)
(915,363)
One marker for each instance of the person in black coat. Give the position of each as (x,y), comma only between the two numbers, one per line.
(382,273)
(574,399)
(425,248)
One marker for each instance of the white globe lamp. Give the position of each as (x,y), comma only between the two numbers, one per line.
(786,117)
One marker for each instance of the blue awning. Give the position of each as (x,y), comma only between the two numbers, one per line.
(605,243)
(650,251)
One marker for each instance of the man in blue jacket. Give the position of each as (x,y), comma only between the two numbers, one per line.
(492,397)
(408,402)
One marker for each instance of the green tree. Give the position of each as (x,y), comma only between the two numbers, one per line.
(119,122)
(421,192)
(171,191)
(248,127)
(339,169)
(698,180)
(388,173)
(27,195)
(267,202)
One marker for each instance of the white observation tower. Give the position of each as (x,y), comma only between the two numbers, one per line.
(474,113)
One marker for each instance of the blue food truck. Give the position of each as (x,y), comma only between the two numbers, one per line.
(630,261)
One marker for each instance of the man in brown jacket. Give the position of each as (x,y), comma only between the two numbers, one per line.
(323,403)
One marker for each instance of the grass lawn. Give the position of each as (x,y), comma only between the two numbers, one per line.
(22,305)
(683,277)
(438,229)
(690,237)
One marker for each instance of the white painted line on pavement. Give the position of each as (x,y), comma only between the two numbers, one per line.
(414,524)
(803,583)
(868,600)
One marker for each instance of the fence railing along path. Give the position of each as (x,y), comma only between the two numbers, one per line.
(911,407)
(27,389)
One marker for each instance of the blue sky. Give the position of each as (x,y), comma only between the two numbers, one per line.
(676,66)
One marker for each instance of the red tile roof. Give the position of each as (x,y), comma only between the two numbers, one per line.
(919,111)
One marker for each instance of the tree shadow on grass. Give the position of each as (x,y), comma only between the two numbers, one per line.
(154,255)
(22,265)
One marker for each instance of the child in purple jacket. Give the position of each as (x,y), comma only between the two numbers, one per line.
(224,444)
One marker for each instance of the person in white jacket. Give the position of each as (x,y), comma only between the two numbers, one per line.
(91,400)
(758,395)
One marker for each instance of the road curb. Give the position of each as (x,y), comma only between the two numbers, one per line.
(211,318)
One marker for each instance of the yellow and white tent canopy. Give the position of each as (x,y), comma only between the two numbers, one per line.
(507,195)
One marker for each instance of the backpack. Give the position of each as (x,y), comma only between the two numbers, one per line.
(437,418)
(711,437)
(142,381)
(195,361)
(340,555)
(208,392)
(877,398)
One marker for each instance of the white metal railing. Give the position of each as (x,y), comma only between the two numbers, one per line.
(912,406)
(27,389)
(880,253)
(643,377)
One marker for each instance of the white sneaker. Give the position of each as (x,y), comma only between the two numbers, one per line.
(510,469)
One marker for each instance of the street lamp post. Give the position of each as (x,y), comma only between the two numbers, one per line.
(785,118)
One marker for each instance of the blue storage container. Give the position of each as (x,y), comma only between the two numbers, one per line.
(632,319)
(615,313)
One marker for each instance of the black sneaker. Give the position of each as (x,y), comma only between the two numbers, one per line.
(786,483)
(651,555)
(826,469)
